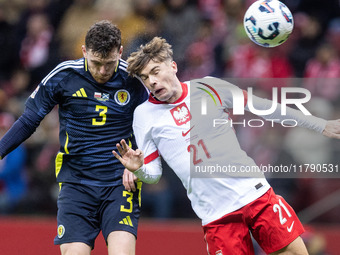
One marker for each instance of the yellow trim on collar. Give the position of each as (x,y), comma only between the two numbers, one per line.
(117,66)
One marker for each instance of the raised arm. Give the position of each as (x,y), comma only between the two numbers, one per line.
(23,128)
(133,160)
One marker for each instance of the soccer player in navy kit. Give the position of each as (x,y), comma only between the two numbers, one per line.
(96,99)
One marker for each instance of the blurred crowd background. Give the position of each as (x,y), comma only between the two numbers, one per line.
(208,39)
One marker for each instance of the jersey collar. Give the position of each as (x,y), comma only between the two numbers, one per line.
(154,100)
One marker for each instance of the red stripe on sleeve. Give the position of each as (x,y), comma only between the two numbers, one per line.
(151,157)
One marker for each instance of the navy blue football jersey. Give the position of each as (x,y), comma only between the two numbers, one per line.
(93,118)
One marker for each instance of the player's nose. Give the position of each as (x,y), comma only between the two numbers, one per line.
(153,80)
(103,70)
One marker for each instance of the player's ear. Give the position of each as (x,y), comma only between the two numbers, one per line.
(120,51)
(174,66)
(83,49)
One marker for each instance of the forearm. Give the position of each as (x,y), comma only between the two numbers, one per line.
(292,117)
(151,172)
(23,128)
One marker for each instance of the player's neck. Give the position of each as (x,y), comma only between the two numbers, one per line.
(178,91)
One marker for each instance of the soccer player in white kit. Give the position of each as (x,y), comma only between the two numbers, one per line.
(228,207)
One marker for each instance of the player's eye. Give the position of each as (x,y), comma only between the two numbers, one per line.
(96,63)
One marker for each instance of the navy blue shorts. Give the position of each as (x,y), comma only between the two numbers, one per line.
(84,211)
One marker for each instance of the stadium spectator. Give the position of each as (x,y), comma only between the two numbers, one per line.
(13,179)
(333,34)
(136,23)
(38,52)
(178,13)
(151,30)
(204,55)
(7,50)
(16,90)
(73,26)
(30,8)
(322,73)
(307,36)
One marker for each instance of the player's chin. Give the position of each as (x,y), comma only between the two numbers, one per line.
(161,95)
(162,98)
(102,80)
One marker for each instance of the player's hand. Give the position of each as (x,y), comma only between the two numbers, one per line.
(332,129)
(131,159)
(129,180)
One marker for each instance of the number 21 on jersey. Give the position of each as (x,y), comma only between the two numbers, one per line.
(195,150)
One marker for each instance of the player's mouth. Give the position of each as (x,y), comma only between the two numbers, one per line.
(103,79)
(159,91)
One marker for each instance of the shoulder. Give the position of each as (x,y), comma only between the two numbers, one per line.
(122,65)
(143,108)
(122,69)
(144,117)
(146,111)
(135,82)
(215,86)
(64,69)
(213,82)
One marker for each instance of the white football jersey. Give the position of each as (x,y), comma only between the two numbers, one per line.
(204,153)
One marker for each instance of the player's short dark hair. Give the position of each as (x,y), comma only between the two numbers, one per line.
(102,37)
(157,50)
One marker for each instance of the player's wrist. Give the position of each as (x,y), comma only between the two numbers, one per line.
(139,170)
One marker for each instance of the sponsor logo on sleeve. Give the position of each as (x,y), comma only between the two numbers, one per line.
(35,92)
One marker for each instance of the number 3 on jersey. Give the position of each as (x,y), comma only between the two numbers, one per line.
(102,113)
(194,149)
(129,197)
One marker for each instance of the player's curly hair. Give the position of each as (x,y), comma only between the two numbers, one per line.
(157,50)
(102,37)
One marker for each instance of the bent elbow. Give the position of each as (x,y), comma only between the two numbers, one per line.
(153,179)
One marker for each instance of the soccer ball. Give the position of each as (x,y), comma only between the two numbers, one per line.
(268,23)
